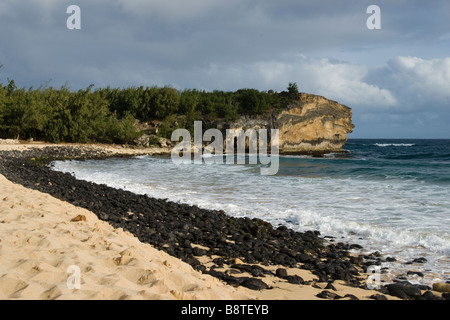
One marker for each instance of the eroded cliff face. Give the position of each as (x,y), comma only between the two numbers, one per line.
(311,124)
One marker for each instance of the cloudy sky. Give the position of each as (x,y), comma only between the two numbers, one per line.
(396,79)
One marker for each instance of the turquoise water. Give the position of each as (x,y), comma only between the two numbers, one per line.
(390,196)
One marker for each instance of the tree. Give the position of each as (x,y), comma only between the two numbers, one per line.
(169,101)
(35,116)
(59,116)
(292,88)
(252,101)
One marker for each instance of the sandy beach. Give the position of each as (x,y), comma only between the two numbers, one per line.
(40,240)
(45,244)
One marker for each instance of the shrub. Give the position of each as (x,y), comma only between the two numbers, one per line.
(292,87)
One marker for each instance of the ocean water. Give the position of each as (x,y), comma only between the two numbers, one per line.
(391,196)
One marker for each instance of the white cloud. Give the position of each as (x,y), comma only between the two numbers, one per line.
(345,82)
(422,80)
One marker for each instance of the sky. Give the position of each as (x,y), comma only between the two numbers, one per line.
(396,79)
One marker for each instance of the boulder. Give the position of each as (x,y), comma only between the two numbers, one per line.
(404,290)
(441,287)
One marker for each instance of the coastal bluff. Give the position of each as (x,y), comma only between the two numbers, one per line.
(310,124)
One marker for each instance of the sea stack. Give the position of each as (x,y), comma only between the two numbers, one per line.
(310,124)
(313,124)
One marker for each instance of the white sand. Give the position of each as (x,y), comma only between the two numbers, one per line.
(38,243)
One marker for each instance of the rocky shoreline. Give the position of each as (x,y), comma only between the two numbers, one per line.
(195,235)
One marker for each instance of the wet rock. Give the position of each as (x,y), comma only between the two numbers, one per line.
(390,259)
(355,246)
(415,273)
(417,260)
(404,290)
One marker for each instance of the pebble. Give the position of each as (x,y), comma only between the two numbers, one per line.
(281,273)
(330,287)
(254,284)
(79,218)
(295,279)
(328,295)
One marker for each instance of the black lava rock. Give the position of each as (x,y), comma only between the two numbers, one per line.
(404,290)
(254,284)
(328,295)
(428,295)
(281,273)
(416,273)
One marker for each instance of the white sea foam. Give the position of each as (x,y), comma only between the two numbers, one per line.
(394,144)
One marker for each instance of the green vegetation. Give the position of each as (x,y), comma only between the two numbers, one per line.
(293,87)
(109,115)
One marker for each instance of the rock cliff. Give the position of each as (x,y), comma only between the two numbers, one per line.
(314,124)
(311,124)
